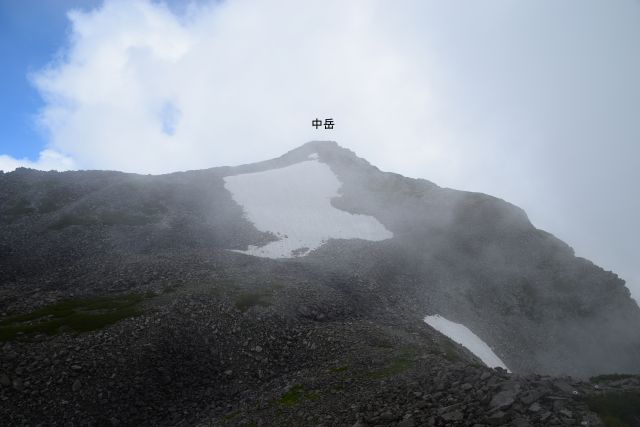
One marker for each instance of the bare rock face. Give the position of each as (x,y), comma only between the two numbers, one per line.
(125,294)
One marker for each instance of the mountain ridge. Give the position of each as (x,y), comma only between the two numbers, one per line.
(171,242)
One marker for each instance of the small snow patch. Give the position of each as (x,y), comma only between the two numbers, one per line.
(313,156)
(463,336)
(294,203)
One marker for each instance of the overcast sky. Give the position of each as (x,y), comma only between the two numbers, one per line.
(535,102)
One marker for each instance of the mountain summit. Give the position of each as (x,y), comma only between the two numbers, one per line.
(244,276)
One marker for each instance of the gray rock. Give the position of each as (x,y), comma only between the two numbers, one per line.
(558,405)
(563,387)
(453,416)
(4,380)
(532,396)
(567,413)
(18,384)
(545,415)
(503,399)
(520,422)
(535,407)
(449,408)
(387,416)
(408,422)
(77,385)
(497,418)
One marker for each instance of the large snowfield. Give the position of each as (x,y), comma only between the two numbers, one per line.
(463,336)
(294,203)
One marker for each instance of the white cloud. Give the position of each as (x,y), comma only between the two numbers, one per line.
(48,160)
(141,89)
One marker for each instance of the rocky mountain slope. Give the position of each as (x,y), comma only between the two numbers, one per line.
(222,296)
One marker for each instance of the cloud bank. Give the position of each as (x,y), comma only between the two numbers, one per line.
(533,102)
(48,160)
(142,89)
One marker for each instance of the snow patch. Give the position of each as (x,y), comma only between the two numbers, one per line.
(294,203)
(463,336)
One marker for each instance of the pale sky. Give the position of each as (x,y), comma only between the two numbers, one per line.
(536,102)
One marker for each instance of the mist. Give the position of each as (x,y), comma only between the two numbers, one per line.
(535,103)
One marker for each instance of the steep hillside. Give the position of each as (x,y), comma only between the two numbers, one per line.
(251,290)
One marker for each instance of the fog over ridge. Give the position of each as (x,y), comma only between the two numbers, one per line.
(534,103)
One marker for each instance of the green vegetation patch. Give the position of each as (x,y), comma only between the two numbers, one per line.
(296,394)
(230,416)
(293,396)
(610,377)
(246,300)
(79,315)
(170,289)
(617,409)
(449,351)
(396,363)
